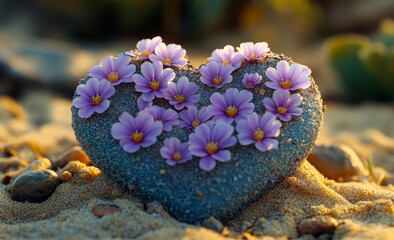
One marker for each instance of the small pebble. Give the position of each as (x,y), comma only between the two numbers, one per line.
(72,154)
(34,186)
(213,223)
(65,176)
(40,164)
(337,161)
(316,225)
(105,209)
(12,162)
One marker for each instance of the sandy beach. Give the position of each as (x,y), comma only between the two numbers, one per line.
(362,210)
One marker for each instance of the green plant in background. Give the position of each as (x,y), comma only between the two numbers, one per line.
(365,68)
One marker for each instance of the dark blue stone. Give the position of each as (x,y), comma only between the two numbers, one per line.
(189,193)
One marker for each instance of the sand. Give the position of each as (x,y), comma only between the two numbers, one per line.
(363,210)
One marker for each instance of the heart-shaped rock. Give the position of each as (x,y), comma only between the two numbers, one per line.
(188,192)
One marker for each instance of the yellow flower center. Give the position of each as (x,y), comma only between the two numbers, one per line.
(249,84)
(195,123)
(217,80)
(231,111)
(145,53)
(113,77)
(227,62)
(160,121)
(167,61)
(281,110)
(285,84)
(258,135)
(179,98)
(212,147)
(253,55)
(96,100)
(177,156)
(154,84)
(137,136)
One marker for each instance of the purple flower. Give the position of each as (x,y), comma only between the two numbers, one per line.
(260,130)
(93,97)
(167,117)
(210,144)
(216,74)
(231,105)
(115,71)
(191,118)
(251,80)
(288,78)
(153,81)
(175,151)
(145,47)
(283,105)
(142,104)
(227,56)
(253,52)
(182,94)
(137,132)
(171,55)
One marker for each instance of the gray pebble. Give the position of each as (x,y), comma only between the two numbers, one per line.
(34,186)
(337,161)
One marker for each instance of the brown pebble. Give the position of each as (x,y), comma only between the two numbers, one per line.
(198,193)
(104,209)
(12,162)
(162,171)
(337,161)
(316,225)
(8,151)
(261,92)
(65,176)
(73,154)
(39,164)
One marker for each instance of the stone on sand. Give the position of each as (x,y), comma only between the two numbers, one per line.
(34,186)
(73,154)
(317,225)
(336,161)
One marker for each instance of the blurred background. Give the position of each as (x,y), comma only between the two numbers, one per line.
(349,45)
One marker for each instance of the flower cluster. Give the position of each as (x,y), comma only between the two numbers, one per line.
(284,79)
(223,62)
(212,127)
(171,55)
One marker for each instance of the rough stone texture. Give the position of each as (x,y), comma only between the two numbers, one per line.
(72,154)
(227,188)
(336,161)
(34,186)
(317,225)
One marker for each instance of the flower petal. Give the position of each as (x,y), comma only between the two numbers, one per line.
(207,163)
